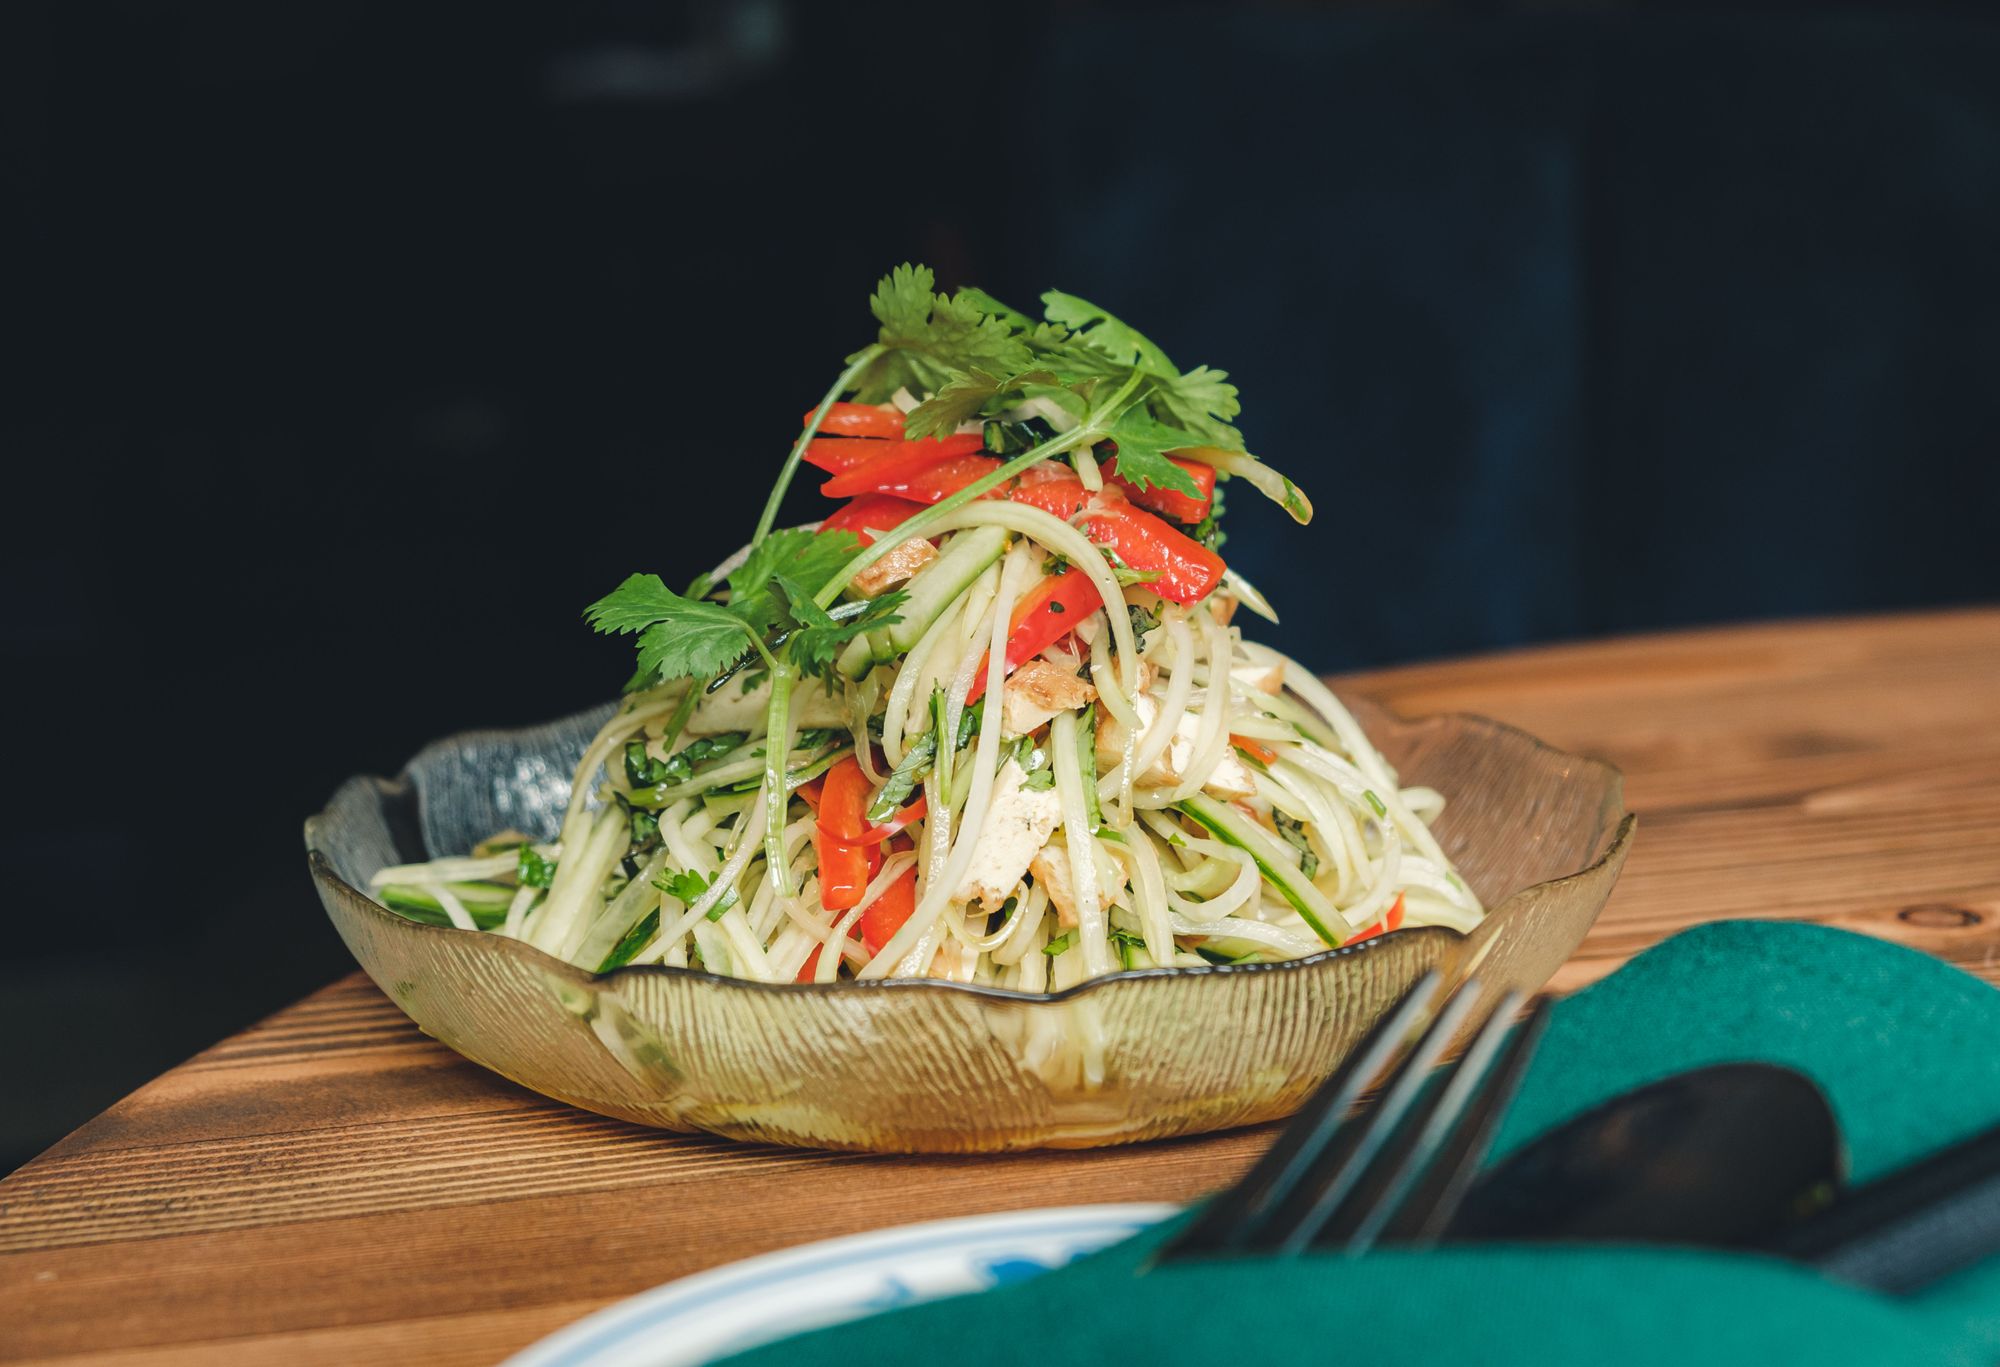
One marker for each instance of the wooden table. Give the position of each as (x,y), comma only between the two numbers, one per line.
(331,1186)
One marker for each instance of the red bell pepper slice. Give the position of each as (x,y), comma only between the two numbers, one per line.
(1188,571)
(886,914)
(835,454)
(858,420)
(921,472)
(1046,613)
(1392,919)
(1172,502)
(875,835)
(1262,751)
(843,864)
(879,511)
(839,455)
(1059,498)
(880,922)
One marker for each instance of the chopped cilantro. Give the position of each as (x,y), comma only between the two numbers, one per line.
(533,871)
(687,886)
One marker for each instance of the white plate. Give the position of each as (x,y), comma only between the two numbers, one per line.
(713,1314)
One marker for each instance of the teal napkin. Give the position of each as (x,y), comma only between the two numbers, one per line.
(1901,1043)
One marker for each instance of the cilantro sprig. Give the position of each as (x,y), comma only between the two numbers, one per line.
(769,596)
(1076,355)
(769,609)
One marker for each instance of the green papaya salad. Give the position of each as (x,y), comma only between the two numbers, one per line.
(993,720)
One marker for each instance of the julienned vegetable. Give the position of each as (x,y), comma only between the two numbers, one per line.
(991,721)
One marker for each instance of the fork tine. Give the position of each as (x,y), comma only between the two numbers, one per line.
(1320,1192)
(1427,1211)
(1231,1220)
(1443,1140)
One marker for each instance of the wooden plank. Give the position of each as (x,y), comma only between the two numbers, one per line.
(330,1186)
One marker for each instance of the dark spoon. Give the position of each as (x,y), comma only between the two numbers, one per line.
(1720,1157)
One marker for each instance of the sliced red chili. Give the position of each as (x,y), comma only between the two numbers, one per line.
(1186,570)
(920,473)
(858,420)
(868,514)
(1047,612)
(1391,919)
(887,913)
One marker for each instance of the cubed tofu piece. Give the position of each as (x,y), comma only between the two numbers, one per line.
(1222,607)
(1037,691)
(1019,821)
(1258,678)
(1111,731)
(1231,779)
(729,708)
(1051,868)
(895,567)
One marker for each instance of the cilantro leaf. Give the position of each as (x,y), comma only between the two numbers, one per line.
(1201,402)
(1191,410)
(678,637)
(633,606)
(799,600)
(806,558)
(687,885)
(820,636)
(1100,330)
(930,336)
(1142,446)
(963,397)
(694,642)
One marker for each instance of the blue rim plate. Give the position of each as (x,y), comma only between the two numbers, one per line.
(710,1315)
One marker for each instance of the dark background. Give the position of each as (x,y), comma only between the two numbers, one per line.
(354,347)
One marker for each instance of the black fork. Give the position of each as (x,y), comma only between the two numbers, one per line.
(1341,1179)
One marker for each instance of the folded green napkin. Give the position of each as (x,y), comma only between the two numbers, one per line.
(1901,1043)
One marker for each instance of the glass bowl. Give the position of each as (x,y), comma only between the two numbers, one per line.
(926,1066)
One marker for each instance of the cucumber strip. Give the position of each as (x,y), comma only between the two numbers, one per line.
(933,590)
(1232,828)
(794,778)
(635,939)
(614,923)
(486,903)
(860,654)
(937,586)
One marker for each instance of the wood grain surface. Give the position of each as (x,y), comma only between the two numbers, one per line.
(330,1186)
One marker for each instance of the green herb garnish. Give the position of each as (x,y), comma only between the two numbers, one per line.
(688,885)
(533,871)
(1294,832)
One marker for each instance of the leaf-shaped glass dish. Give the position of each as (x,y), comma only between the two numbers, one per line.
(920,1065)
